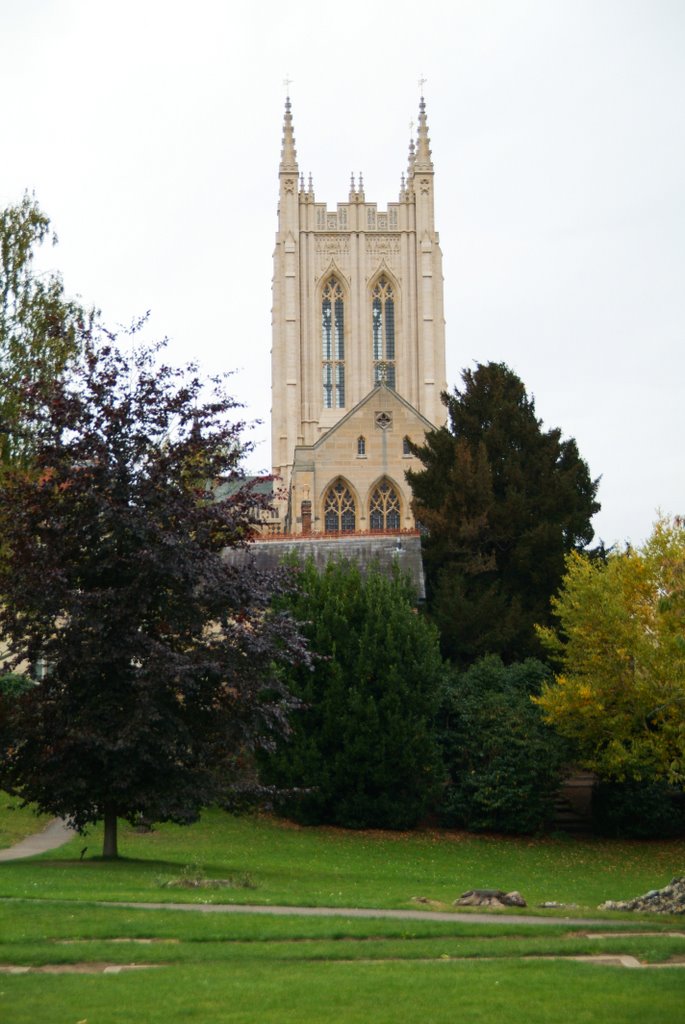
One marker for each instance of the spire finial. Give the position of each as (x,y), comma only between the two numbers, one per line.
(288,152)
(361,182)
(423,153)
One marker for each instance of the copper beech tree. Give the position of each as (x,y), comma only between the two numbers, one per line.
(159,661)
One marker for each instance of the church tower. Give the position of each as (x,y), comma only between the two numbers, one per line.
(358,351)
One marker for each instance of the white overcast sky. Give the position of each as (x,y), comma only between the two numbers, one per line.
(150,131)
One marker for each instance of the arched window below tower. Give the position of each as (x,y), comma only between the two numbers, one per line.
(384,508)
(339,511)
(383,332)
(333,345)
(361,447)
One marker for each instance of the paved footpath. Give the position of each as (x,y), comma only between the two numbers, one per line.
(57,833)
(54,835)
(405,915)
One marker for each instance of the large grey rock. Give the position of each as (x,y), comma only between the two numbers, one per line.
(490,898)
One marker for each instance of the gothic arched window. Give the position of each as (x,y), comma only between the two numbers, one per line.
(339,510)
(361,446)
(384,507)
(333,345)
(383,328)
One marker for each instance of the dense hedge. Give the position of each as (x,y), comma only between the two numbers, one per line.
(504,764)
(638,810)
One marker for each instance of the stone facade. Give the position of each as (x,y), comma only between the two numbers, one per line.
(358,352)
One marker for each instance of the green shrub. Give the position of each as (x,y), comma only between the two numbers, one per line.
(504,764)
(363,744)
(12,684)
(637,810)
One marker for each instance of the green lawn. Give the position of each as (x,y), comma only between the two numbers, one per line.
(41,933)
(332,867)
(210,967)
(352,993)
(235,968)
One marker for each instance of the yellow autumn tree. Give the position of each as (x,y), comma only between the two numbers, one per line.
(620,643)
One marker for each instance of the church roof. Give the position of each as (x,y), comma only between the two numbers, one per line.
(380,390)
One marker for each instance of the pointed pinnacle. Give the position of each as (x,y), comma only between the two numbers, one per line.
(423,152)
(288,151)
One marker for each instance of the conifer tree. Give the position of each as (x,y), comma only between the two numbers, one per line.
(362,753)
(502,502)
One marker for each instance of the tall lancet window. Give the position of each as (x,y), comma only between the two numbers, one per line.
(383,326)
(384,507)
(333,345)
(339,509)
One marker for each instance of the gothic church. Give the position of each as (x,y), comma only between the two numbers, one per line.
(358,352)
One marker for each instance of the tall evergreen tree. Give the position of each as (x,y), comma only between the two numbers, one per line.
(362,751)
(502,501)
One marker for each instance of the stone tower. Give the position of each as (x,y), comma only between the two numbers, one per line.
(358,353)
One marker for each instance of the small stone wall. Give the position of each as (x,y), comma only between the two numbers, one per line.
(403,550)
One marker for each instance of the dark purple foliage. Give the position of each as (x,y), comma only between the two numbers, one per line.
(162,660)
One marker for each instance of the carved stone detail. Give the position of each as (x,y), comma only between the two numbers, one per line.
(383,245)
(332,244)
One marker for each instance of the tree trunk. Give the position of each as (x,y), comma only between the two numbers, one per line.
(109,846)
